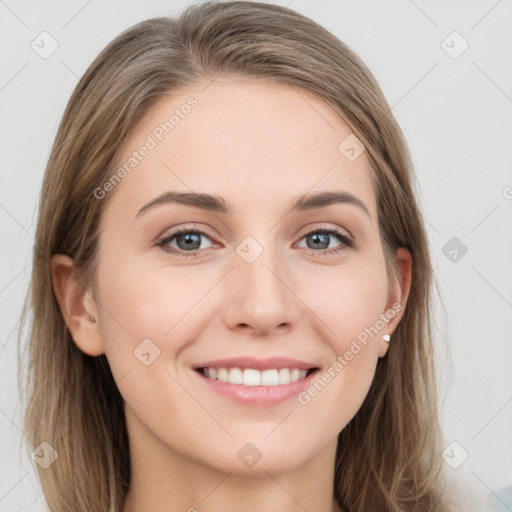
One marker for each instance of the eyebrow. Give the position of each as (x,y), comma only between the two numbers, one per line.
(218,204)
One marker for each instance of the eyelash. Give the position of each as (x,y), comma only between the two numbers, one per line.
(346,241)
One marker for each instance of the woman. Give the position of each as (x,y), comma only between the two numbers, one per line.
(231,281)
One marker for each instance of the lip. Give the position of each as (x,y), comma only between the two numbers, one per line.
(263,396)
(257,363)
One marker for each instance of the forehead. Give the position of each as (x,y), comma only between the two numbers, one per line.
(249,140)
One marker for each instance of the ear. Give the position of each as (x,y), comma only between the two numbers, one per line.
(399,293)
(77,305)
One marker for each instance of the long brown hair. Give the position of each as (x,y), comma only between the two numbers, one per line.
(388,456)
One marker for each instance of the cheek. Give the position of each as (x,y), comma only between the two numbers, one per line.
(144,321)
(349,307)
(143,302)
(349,300)
(147,302)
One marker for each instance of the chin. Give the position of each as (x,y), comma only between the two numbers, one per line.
(258,458)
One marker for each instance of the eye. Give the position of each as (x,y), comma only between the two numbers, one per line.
(186,239)
(320,239)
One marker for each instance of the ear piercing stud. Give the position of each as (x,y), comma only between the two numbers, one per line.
(386,337)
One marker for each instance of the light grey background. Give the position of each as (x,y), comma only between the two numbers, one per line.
(456,115)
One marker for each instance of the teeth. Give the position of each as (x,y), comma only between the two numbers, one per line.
(294,375)
(235,376)
(284,376)
(269,377)
(252,377)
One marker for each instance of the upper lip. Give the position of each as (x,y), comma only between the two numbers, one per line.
(257,364)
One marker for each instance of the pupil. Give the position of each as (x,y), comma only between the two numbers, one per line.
(317,238)
(190,239)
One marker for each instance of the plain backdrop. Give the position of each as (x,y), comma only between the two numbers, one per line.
(446,70)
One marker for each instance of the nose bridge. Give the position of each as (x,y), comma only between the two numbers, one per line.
(260,284)
(268,271)
(261,275)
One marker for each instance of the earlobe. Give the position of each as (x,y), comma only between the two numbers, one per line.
(398,297)
(77,305)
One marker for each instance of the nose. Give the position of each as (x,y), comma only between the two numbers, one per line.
(261,297)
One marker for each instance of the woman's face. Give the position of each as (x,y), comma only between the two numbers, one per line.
(257,292)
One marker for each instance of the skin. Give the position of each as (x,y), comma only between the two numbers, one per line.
(259,145)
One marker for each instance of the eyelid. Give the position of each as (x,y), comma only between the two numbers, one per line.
(313,227)
(343,235)
(184,227)
(332,230)
(304,231)
(173,233)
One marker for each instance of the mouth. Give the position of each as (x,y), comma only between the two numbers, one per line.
(259,382)
(255,377)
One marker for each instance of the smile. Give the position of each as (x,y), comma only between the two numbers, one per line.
(254,377)
(257,382)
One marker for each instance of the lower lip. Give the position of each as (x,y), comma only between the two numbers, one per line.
(261,395)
